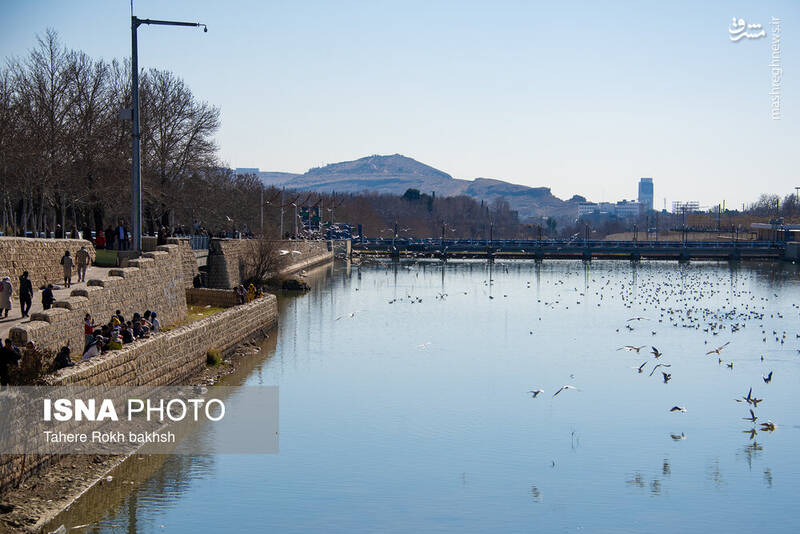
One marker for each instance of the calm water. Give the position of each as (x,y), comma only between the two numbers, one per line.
(414,416)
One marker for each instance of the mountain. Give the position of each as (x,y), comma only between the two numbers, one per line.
(397,173)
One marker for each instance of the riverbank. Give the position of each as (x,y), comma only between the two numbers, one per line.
(43,496)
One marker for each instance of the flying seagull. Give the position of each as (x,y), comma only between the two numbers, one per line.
(640,367)
(631,348)
(637,319)
(563,388)
(535,392)
(768,378)
(678,409)
(667,376)
(655,352)
(659,365)
(752,417)
(718,349)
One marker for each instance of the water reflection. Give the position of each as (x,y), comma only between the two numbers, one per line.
(379,434)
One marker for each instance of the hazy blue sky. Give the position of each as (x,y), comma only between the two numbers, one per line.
(584,97)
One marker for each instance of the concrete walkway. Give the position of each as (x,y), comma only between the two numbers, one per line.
(15,315)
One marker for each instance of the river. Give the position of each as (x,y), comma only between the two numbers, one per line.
(404,406)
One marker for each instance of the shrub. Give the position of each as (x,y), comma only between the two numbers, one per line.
(213,357)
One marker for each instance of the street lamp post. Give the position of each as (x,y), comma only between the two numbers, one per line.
(136,171)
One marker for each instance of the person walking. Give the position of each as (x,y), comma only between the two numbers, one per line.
(25,293)
(47,297)
(82,259)
(68,263)
(6,290)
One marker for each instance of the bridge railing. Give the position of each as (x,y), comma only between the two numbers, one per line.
(530,245)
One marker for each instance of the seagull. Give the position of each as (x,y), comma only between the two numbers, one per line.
(678,409)
(283,252)
(768,426)
(659,365)
(718,349)
(640,367)
(535,392)
(563,388)
(631,348)
(752,432)
(655,352)
(637,319)
(351,315)
(677,437)
(767,379)
(667,376)
(752,417)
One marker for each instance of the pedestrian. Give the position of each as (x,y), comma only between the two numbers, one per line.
(122,236)
(68,263)
(82,259)
(6,289)
(47,297)
(100,240)
(25,293)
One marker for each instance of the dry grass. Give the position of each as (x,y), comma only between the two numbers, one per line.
(195,312)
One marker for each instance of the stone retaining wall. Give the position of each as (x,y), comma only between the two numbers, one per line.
(40,257)
(221,298)
(164,359)
(153,282)
(226,258)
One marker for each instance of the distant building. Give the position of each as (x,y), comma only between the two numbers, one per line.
(688,206)
(625,208)
(646,193)
(622,209)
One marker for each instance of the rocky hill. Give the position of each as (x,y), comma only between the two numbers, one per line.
(396,173)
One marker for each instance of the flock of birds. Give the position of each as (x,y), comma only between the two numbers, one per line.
(688,298)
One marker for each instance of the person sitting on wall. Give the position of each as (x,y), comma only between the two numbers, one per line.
(119,316)
(93,348)
(155,323)
(126,334)
(115,343)
(240,294)
(9,356)
(62,359)
(251,293)
(88,326)
(47,297)
(139,330)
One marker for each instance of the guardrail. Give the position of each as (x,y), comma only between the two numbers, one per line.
(521,245)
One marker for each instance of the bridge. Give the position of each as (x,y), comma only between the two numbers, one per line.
(570,249)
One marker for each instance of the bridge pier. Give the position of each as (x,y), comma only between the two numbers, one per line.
(587,256)
(395,253)
(636,256)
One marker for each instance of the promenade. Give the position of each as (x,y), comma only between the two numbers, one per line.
(15,316)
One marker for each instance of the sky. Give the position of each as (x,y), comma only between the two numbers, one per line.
(581,97)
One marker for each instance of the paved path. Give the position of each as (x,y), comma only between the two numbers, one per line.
(15,315)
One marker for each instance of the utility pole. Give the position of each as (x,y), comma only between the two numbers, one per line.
(262,211)
(136,154)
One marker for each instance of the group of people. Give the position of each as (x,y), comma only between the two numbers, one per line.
(117,332)
(244,296)
(80,262)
